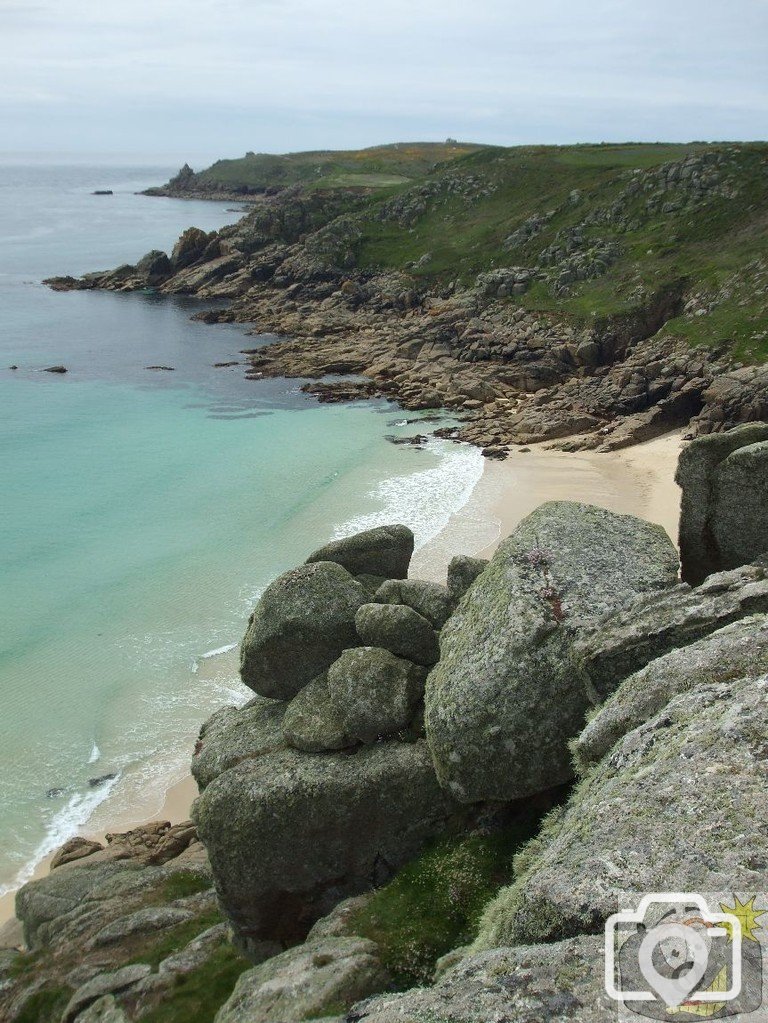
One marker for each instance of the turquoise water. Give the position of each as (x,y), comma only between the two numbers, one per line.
(142,512)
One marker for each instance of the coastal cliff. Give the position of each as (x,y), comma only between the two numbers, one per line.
(586,296)
(437,793)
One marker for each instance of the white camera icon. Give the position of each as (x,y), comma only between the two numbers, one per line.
(678,939)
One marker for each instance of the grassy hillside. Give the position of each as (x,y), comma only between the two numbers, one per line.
(377,167)
(597,227)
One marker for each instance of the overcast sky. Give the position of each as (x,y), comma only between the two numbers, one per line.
(195,79)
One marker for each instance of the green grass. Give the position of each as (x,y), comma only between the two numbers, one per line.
(182,884)
(44,1006)
(154,948)
(200,994)
(434,904)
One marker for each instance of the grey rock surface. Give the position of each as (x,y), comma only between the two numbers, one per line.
(305,618)
(104,984)
(462,572)
(558,983)
(103,1010)
(234,734)
(311,723)
(697,475)
(384,551)
(431,600)
(507,693)
(306,981)
(738,518)
(291,834)
(373,692)
(143,921)
(679,804)
(733,651)
(399,629)
(661,622)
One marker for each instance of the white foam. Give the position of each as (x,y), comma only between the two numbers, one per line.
(217,651)
(424,500)
(95,754)
(64,824)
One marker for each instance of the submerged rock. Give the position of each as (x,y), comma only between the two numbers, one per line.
(507,693)
(304,620)
(384,551)
(373,692)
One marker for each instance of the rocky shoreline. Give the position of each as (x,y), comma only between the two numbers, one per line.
(438,791)
(512,375)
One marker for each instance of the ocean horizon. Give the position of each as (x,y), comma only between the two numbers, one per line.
(145,510)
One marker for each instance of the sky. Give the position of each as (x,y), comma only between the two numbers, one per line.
(178,80)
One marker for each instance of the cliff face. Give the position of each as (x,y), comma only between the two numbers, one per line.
(593,296)
(440,783)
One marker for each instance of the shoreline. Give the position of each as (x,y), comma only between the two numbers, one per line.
(637,480)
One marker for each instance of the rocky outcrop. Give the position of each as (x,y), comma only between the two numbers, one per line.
(553,983)
(233,735)
(677,805)
(373,692)
(278,830)
(304,620)
(733,651)
(658,623)
(312,723)
(507,693)
(430,600)
(306,982)
(398,629)
(723,518)
(462,572)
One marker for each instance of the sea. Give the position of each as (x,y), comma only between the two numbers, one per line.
(142,511)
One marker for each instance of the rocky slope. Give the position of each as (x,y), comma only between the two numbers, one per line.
(590,296)
(438,793)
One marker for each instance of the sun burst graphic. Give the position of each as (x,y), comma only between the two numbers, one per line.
(747,915)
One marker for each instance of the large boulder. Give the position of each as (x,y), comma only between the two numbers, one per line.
(431,600)
(722,512)
(399,629)
(384,551)
(154,268)
(736,650)
(310,980)
(679,805)
(234,734)
(290,834)
(462,572)
(661,622)
(189,248)
(373,692)
(304,620)
(507,693)
(558,983)
(311,723)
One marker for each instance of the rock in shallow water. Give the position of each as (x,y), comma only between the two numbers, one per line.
(304,620)
(508,694)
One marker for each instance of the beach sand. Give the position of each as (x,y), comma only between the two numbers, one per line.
(637,481)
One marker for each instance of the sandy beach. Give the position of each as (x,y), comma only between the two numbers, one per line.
(637,481)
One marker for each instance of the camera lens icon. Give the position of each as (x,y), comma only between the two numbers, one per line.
(667,961)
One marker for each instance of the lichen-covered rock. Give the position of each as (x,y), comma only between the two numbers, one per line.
(699,472)
(290,834)
(305,618)
(679,804)
(732,652)
(384,551)
(311,723)
(507,693)
(373,692)
(306,981)
(738,519)
(431,600)
(660,622)
(557,983)
(103,1010)
(142,922)
(337,922)
(462,572)
(104,984)
(234,734)
(399,629)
